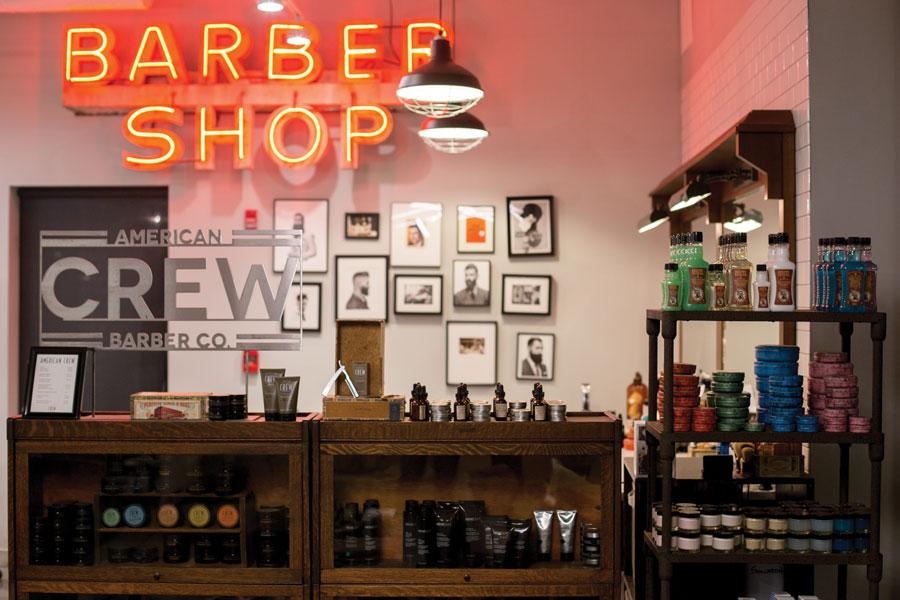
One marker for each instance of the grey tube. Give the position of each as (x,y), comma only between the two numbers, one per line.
(544,521)
(287,389)
(267,378)
(566,520)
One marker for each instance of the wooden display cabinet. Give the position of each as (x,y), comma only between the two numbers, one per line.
(54,461)
(33,590)
(515,468)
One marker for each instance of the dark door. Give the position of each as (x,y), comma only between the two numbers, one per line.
(90,210)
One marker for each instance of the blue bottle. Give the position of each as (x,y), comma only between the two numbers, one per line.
(819,276)
(853,278)
(870,296)
(837,257)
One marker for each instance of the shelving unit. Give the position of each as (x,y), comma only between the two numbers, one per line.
(661,445)
(515,467)
(61,461)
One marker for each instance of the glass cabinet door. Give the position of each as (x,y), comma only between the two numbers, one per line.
(173,512)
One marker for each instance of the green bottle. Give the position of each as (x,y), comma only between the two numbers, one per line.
(695,272)
(671,288)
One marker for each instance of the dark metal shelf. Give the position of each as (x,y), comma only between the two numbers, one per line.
(798,316)
(655,429)
(747,557)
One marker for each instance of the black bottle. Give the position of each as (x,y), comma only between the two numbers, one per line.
(461,406)
(371,533)
(425,534)
(501,407)
(410,524)
(350,530)
(538,406)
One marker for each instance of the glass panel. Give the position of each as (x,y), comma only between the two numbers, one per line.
(175,509)
(470,511)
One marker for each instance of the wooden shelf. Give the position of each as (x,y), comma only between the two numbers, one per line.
(799,316)
(170,530)
(655,429)
(160,495)
(709,556)
(542,572)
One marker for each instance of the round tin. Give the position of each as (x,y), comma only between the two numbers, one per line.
(199,515)
(557,410)
(820,543)
(732,517)
(776,543)
(227,516)
(168,515)
(688,542)
(134,515)
(830,357)
(755,523)
(777,524)
(754,542)
(798,543)
(683,369)
(728,376)
(520,415)
(723,541)
(111,517)
(706,540)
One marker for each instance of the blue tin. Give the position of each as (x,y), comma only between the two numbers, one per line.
(788,380)
(779,354)
(769,369)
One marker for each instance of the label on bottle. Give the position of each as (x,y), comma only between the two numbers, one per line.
(672,297)
(855,287)
(697,290)
(869,294)
(351,543)
(719,295)
(461,412)
(501,409)
(784,287)
(409,537)
(422,412)
(540,412)
(763,293)
(740,287)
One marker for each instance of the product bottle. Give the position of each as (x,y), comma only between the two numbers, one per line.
(410,522)
(371,533)
(819,276)
(853,278)
(671,287)
(781,274)
(761,287)
(833,270)
(827,285)
(696,270)
(870,298)
(538,406)
(737,275)
(717,297)
(425,534)
(351,533)
(461,406)
(501,406)
(418,408)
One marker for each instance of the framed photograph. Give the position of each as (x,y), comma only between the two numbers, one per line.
(471,352)
(418,294)
(362,226)
(312,217)
(527,294)
(416,234)
(475,229)
(471,283)
(360,290)
(530,225)
(303,310)
(55,382)
(535,354)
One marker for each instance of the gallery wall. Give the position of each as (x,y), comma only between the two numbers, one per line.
(582,104)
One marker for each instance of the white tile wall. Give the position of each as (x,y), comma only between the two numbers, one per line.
(762,63)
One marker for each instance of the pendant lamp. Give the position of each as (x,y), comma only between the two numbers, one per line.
(440,88)
(270,6)
(453,135)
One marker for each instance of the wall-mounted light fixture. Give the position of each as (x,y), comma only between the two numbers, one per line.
(657,216)
(698,189)
(744,219)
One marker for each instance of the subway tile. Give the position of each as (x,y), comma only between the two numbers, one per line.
(802,204)
(803,227)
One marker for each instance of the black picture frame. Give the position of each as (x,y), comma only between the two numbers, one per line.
(470,382)
(337,286)
(74,411)
(440,296)
(493,210)
(318,327)
(477,263)
(550,229)
(548,279)
(376,220)
(552,361)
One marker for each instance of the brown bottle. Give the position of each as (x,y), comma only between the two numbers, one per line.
(636,398)
(418,408)
(538,406)
(461,406)
(501,406)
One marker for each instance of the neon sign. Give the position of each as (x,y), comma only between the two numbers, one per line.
(154,88)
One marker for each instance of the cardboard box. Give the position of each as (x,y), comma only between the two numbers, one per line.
(169,406)
(361,342)
(780,466)
(347,408)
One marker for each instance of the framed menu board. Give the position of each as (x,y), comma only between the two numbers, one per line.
(55,382)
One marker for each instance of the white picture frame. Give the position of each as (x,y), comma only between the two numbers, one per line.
(528,367)
(360,289)
(312,217)
(418,294)
(475,229)
(471,352)
(416,234)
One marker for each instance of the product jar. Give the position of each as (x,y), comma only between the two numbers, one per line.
(754,542)
(822,523)
(777,523)
(723,541)
(798,543)
(732,518)
(688,542)
(755,522)
(706,540)
(842,543)
(776,542)
(820,543)
(710,518)
(799,522)
(689,520)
